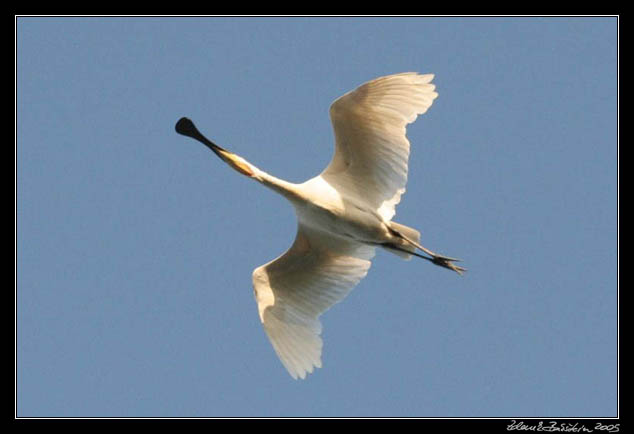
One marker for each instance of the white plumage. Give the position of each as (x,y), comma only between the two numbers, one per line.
(343,214)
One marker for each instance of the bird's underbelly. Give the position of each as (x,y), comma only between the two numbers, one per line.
(346,221)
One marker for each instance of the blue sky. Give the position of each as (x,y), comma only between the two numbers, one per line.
(135,246)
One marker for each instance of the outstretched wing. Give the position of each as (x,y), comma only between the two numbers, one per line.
(293,290)
(371,149)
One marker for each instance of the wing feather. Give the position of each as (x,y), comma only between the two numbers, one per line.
(293,290)
(371,148)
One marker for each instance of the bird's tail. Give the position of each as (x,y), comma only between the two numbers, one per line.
(411,239)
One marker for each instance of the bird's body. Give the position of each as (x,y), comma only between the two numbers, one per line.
(336,214)
(343,214)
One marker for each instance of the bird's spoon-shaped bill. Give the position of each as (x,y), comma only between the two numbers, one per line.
(187,128)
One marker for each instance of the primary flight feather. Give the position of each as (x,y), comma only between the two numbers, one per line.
(343,214)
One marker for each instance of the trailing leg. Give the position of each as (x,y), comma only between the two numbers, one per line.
(411,242)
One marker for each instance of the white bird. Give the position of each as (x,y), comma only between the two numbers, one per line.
(343,214)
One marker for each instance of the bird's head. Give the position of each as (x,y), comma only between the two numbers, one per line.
(187,128)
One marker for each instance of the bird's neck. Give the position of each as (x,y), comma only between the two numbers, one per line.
(287,189)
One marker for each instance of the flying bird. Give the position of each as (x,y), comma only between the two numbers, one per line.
(343,214)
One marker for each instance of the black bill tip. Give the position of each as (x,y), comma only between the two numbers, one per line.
(186,127)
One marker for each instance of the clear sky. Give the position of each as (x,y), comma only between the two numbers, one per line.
(135,246)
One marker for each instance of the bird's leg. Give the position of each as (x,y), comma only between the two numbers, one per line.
(442,261)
